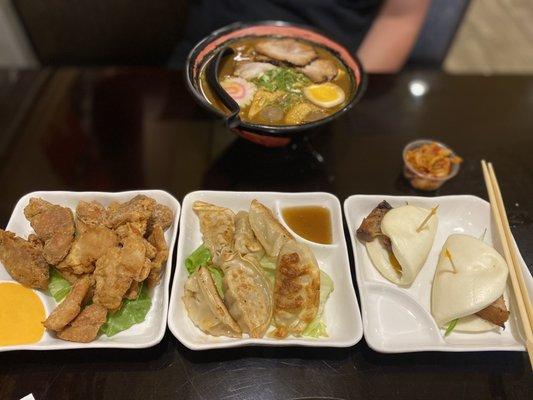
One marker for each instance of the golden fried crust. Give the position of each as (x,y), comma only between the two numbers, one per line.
(297,289)
(162,216)
(88,215)
(70,307)
(112,279)
(54,225)
(87,248)
(157,239)
(85,327)
(23,260)
(137,209)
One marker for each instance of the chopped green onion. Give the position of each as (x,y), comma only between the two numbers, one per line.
(451,327)
(199,257)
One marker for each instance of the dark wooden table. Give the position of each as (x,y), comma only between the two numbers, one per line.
(116,129)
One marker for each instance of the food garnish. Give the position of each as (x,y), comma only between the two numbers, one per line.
(451,327)
(432,159)
(240,90)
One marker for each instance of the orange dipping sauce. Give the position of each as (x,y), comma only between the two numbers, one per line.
(310,222)
(21,315)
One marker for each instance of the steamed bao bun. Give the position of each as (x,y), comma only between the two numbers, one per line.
(478,280)
(411,248)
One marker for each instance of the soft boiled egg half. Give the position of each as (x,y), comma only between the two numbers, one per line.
(325,95)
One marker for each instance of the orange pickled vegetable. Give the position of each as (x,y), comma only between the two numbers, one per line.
(432,159)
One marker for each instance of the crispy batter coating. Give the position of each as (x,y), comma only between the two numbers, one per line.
(23,260)
(70,307)
(162,216)
(54,225)
(112,279)
(87,248)
(137,209)
(85,327)
(157,239)
(88,215)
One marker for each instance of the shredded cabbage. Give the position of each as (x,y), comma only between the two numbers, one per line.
(317,328)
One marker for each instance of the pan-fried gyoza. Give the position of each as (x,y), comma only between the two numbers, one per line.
(251,277)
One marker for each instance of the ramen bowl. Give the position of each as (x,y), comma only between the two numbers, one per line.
(270,135)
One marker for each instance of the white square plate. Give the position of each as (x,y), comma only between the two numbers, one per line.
(146,334)
(341,313)
(397,319)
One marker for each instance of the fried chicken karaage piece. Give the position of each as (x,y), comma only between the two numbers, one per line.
(89,214)
(23,260)
(87,248)
(134,259)
(162,216)
(135,210)
(157,239)
(70,307)
(119,267)
(86,325)
(112,279)
(133,292)
(54,225)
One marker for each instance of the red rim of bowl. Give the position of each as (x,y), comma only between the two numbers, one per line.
(202,51)
(455,167)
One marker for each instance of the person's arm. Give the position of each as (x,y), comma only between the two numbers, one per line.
(391,37)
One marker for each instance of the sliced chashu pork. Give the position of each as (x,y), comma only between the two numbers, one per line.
(370,228)
(320,70)
(289,50)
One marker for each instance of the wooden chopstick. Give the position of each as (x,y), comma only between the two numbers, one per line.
(511,243)
(515,271)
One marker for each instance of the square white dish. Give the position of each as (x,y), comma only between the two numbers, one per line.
(146,334)
(398,319)
(341,313)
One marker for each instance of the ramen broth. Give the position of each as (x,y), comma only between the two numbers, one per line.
(283,94)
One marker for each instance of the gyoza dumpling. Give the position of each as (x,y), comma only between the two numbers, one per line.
(247,294)
(245,241)
(205,307)
(270,233)
(217,225)
(469,283)
(296,290)
(410,247)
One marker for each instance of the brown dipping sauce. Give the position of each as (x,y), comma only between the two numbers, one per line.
(310,222)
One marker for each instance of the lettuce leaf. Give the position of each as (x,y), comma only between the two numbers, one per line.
(317,328)
(132,312)
(58,286)
(199,257)
(269,268)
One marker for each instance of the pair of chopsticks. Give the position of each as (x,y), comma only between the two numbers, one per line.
(515,270)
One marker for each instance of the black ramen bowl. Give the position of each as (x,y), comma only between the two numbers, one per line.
(271,135)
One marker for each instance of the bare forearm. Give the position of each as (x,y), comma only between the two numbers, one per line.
(391,37)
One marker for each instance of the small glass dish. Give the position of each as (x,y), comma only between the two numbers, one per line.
(423,181)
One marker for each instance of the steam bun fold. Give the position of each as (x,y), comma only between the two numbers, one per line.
(410,248)
(475,280)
